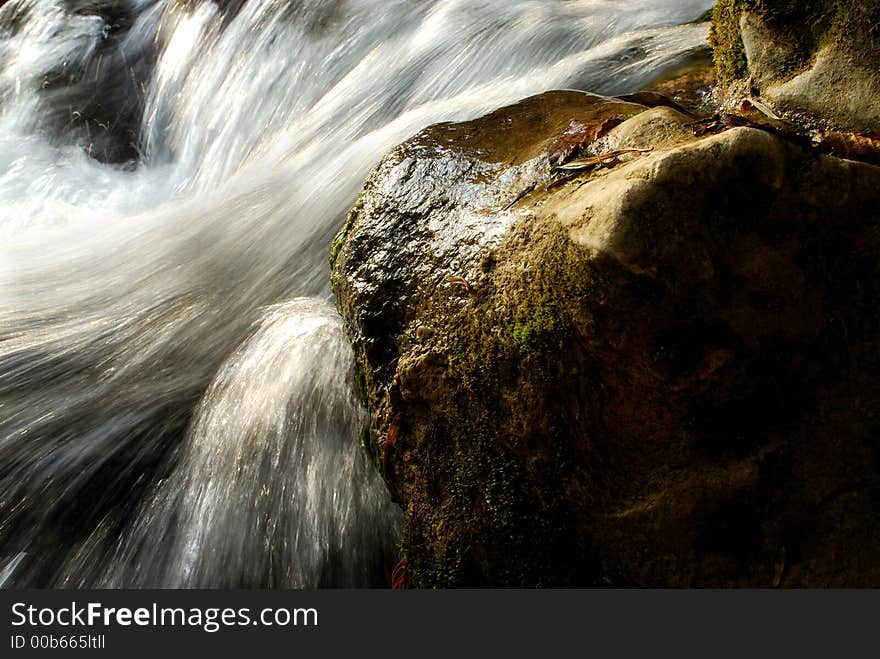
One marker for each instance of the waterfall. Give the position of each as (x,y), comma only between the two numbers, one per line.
(176,406)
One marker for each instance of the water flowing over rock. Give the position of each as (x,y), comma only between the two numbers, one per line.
(172,174)
(662,372)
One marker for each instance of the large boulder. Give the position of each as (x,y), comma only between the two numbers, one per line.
(814,61)
(663,372)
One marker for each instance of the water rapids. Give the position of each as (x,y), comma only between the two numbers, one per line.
(176,401)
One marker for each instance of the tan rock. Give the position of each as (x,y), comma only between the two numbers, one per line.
(662,372)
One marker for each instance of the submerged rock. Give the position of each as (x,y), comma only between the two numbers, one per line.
(659,373)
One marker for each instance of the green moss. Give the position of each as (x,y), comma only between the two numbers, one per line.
(482,498)
(342,237)
(488,520)
(808,24)
(724,36)
(339,242)
(533,321)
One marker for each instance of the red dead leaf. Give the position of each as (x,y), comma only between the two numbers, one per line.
(580,135)
(398,575)
(390,439)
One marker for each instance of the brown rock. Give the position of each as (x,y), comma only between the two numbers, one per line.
(665,373)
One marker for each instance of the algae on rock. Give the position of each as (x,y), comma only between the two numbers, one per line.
(815,61)
(662,373)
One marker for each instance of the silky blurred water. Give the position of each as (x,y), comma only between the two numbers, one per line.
(176,404)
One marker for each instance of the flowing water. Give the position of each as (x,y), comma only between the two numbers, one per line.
(176,404)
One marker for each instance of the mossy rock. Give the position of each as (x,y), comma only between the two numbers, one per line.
(815,60)
(805,25)
(644,376)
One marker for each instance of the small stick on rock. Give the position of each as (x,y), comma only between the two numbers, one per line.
(600,159)
(461,281)
(519,197)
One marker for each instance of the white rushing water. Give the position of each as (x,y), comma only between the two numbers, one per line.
(176,403)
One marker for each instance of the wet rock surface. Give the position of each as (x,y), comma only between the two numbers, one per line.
(659,373)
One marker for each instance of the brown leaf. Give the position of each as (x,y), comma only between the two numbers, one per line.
(854,146)
(459,281)
(393,431)
(580,135)
(390,439)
